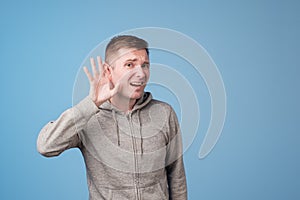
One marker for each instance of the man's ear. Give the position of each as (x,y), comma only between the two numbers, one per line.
(107,71)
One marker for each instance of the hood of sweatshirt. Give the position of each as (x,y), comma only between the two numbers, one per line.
(142,102)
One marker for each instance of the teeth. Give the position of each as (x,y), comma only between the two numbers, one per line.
(137,83)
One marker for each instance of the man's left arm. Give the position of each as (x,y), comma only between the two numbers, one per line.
(175,166)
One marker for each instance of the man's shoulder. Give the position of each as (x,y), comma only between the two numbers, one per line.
(158,104)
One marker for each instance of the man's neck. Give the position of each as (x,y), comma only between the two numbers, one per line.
(122,103)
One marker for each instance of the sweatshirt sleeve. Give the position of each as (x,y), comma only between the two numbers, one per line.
(62,134)
(175,166)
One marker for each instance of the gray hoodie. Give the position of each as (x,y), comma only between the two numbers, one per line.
(134,156)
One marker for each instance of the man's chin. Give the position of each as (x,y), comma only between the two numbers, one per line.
(137,95)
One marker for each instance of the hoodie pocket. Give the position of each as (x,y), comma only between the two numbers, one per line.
(154,192)
(123,194)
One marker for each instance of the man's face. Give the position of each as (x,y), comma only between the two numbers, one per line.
(132,68)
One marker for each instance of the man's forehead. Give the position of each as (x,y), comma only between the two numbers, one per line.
(131,54)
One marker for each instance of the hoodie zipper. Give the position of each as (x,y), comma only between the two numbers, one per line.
(136,176)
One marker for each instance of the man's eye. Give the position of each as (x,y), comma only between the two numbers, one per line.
(145,65)
(129,65)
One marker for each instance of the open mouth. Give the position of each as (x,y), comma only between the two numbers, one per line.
(137,84)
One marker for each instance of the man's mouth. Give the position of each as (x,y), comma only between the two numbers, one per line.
(137,84)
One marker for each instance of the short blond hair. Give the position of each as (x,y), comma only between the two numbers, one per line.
(124,42)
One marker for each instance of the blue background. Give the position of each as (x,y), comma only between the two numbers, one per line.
(255,45)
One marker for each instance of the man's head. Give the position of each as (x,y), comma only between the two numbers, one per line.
(128,55)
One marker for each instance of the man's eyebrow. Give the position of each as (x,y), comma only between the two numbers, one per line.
(131,60)
(135,59)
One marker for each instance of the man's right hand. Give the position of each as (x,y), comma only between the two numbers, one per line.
(101,88)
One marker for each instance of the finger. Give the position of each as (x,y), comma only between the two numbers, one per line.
(100,65)
(88,74)
(93,64)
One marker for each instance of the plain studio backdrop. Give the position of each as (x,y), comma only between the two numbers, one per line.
(255,45)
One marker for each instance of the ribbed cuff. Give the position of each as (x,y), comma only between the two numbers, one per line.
(87,108)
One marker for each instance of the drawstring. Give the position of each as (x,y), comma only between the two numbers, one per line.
(140,129)
(117,126)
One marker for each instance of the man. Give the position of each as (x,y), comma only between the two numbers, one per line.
(130,142)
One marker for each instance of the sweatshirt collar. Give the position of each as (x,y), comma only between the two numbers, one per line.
(141,102)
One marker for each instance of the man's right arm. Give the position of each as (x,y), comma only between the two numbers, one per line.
(62,134)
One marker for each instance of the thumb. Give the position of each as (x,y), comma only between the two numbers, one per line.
(115,89)
(110,84)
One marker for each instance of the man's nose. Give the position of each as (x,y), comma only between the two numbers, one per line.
(140,71)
